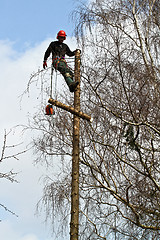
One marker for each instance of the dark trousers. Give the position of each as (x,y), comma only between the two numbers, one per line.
(61,65)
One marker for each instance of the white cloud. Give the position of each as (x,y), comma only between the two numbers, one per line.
(8,233)
(29,237)
(16,70)
(21,198)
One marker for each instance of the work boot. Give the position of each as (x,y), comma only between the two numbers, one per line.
(72,86)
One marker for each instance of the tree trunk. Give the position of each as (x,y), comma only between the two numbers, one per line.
(74,224)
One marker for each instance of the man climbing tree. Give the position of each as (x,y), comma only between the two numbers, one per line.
(58,50)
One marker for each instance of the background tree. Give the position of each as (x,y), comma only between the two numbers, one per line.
(119,170)
(9,152)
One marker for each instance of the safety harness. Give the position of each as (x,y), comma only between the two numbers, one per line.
(57,62)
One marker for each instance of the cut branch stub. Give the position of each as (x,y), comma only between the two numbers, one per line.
(70,109)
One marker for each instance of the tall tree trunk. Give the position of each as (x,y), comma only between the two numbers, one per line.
(74,224)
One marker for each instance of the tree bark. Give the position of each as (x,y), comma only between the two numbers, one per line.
(74,224)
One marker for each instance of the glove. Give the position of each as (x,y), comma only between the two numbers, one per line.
(44,64)
(76,51)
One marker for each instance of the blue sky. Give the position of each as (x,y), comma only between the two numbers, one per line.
(29,22)
(26,29)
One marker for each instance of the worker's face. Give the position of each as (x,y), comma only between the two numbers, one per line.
(61,39)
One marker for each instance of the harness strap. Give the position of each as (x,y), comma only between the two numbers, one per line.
(59,59)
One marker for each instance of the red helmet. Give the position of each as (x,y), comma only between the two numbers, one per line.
(49,110)
(61,33)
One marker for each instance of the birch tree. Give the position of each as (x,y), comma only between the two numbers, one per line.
(120,149)
(122,90)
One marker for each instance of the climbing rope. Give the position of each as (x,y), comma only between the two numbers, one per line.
(52,69)
(55,84)
(49,108)
(53,94)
